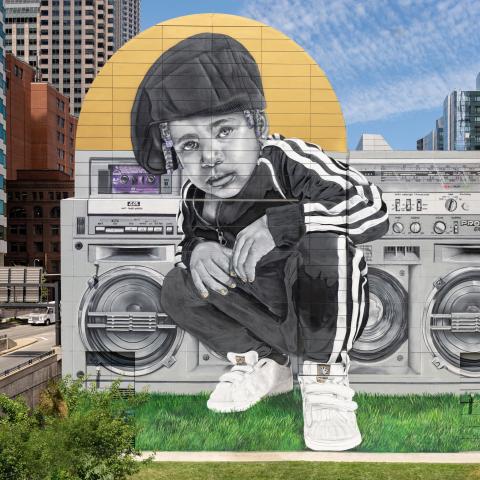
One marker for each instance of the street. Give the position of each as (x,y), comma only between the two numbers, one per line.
(45,341)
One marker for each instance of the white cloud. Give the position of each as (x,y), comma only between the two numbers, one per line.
(383,56)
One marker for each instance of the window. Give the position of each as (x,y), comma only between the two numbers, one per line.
(55,212)
(60,121)
(38,247)
(60,153)
(65,194)
(38,229)
(17,212)
(55,230)
(18,247)
(37,212)
(18,71)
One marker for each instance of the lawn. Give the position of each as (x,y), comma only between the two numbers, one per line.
(409,423)
(307,471)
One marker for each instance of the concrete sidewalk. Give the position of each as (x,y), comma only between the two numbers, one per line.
(464,457)
(20,343)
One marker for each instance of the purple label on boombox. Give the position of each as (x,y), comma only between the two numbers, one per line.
(133,179)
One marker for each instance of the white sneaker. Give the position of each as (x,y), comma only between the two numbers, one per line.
(329,416)
(249,380)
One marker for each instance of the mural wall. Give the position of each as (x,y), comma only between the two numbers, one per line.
(221,238)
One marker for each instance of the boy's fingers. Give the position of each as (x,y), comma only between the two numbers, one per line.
(250,264)
(223,262)
(210,282)
(236,252)
(217,273)
(240,267)
(197,281)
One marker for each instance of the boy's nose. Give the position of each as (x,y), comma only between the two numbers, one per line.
(212,157)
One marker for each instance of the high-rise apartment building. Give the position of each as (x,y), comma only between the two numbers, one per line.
(127,21)
(3,137)
(68,41)
(459,127)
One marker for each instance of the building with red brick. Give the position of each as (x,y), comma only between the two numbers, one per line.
(40,166)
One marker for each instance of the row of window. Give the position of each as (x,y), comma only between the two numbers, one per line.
(21,229)
(18,247)
(25,197)
(20,212)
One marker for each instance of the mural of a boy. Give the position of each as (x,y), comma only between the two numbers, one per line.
(268,265)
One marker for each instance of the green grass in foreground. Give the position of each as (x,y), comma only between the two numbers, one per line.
(408,423)
(307,471)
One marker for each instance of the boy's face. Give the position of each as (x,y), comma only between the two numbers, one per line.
(218,153)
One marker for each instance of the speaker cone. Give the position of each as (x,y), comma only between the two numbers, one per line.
(452,320)
(121,318)
(387,326)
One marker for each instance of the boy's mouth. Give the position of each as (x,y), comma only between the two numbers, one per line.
(220,181)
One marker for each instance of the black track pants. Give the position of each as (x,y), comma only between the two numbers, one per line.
(310,300)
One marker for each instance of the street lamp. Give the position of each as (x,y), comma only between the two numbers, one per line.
(35,260)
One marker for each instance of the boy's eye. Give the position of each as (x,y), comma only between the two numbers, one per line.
(225,132)
(190,145)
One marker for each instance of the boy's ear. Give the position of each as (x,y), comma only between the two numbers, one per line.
(264,126)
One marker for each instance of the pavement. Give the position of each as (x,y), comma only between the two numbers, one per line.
(20,343)
(463,457)
(31,340)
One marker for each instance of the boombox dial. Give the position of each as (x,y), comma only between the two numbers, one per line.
(397,227)
(451,205)
(439,227)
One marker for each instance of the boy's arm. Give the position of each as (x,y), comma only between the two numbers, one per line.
(331,196)
(184,223)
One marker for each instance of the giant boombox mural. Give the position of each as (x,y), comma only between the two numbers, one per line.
(121,232)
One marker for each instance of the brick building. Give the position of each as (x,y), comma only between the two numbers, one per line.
(40,167)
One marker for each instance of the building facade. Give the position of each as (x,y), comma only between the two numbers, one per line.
(68,41)
(459,127)
(127,21)
(40,146)
(3,137)
(34,218)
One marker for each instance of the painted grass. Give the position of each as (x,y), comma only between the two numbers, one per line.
(307,471)
(409,423)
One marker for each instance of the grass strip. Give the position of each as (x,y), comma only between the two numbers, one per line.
(407,423)
(306,471)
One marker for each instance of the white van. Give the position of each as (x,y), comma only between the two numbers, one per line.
(43,316)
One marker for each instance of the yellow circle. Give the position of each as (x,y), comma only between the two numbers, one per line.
(301,102)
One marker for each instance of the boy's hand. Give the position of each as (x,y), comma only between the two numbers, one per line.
(252,243)
(209,266)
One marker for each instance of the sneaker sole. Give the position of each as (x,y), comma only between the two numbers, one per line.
(334,446)
(227,407)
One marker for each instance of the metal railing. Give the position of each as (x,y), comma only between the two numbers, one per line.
(27,363)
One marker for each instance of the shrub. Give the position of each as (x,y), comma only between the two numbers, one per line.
(76,433)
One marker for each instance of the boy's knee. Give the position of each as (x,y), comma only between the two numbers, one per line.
(174,289)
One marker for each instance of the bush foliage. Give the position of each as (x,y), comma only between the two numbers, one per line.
(75,433)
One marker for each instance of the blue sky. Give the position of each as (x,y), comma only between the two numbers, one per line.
(391,62)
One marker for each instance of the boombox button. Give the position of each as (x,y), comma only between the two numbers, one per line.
(149,229)
(142,229)
(169,230)
(114,230)
(99,229)
(158,229)
(130,229)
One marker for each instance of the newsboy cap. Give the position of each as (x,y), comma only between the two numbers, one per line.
(205,74)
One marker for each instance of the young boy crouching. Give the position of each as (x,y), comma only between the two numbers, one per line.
(268,264)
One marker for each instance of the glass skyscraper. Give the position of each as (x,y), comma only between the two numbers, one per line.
(459,127)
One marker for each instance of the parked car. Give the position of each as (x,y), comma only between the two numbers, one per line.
(43,317)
